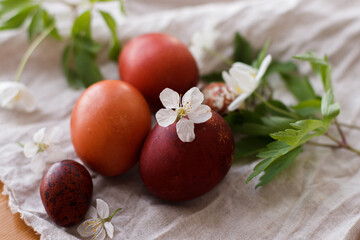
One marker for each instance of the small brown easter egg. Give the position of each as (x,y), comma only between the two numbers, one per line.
(66,190)
(218,96)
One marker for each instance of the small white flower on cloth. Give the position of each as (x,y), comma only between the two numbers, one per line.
(98,220)
(15,94)
(187,111)
(243,80)
(201,41)
(44,148)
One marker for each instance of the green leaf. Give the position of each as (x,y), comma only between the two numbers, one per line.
(278,166)
(82,25)
(299,86)
(249,146)
(14,6)
(313,103)
(122,7)
(72,76)
(48,21)
(273,151)
(281,67)
(261,55)
(36,25)
(268,125)
(320,66)
(212,77)
(301,128)
(242,50)
(18,19)
(40,21)
(308,107)
(79,64)
(329,108)
(116,47)
(264,110)
(312,58)
(302,131)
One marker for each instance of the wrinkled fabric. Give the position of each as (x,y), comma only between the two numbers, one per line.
(317,197)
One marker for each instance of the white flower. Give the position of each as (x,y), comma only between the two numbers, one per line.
(188,111)
(203,40)
(44,148)
(243,80)
(95,225)
(15,94)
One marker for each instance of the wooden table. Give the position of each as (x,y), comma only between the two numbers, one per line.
(12,226)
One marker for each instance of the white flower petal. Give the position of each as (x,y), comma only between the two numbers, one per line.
(99,236)
(109,229)
(244,67)
(102,208)
(38,163)
(185,130)
(15,93)
(39,135)
(86,229)
(245,81)
(30,150)
(192,98)
(229,81)
(197,53)
(200,114)
(28,99)
(169,98)
(264,65)
(238,101)
(165,117)
(8,92)
(91,213)
(53,135)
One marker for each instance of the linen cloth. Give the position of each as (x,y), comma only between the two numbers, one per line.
(317,197)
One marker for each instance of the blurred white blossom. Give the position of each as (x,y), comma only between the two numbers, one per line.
(16,95)
(44,148)
(203,41)
(243,80)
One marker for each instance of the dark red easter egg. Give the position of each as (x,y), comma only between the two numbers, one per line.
(66,190)
(155,61)
(177,171)
(218,96)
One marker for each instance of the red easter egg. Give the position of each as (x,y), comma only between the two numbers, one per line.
(155,61)
(177,171)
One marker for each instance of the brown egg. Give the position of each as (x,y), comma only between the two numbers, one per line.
(109,124)
(178,171)
(155,61)
(66,190)
(218,96)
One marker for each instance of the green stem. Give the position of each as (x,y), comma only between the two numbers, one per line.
(341,144)
(31,49)
(276,109)
(224,59)
(323,144)
(112,215)
(342,135)
(349,126)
